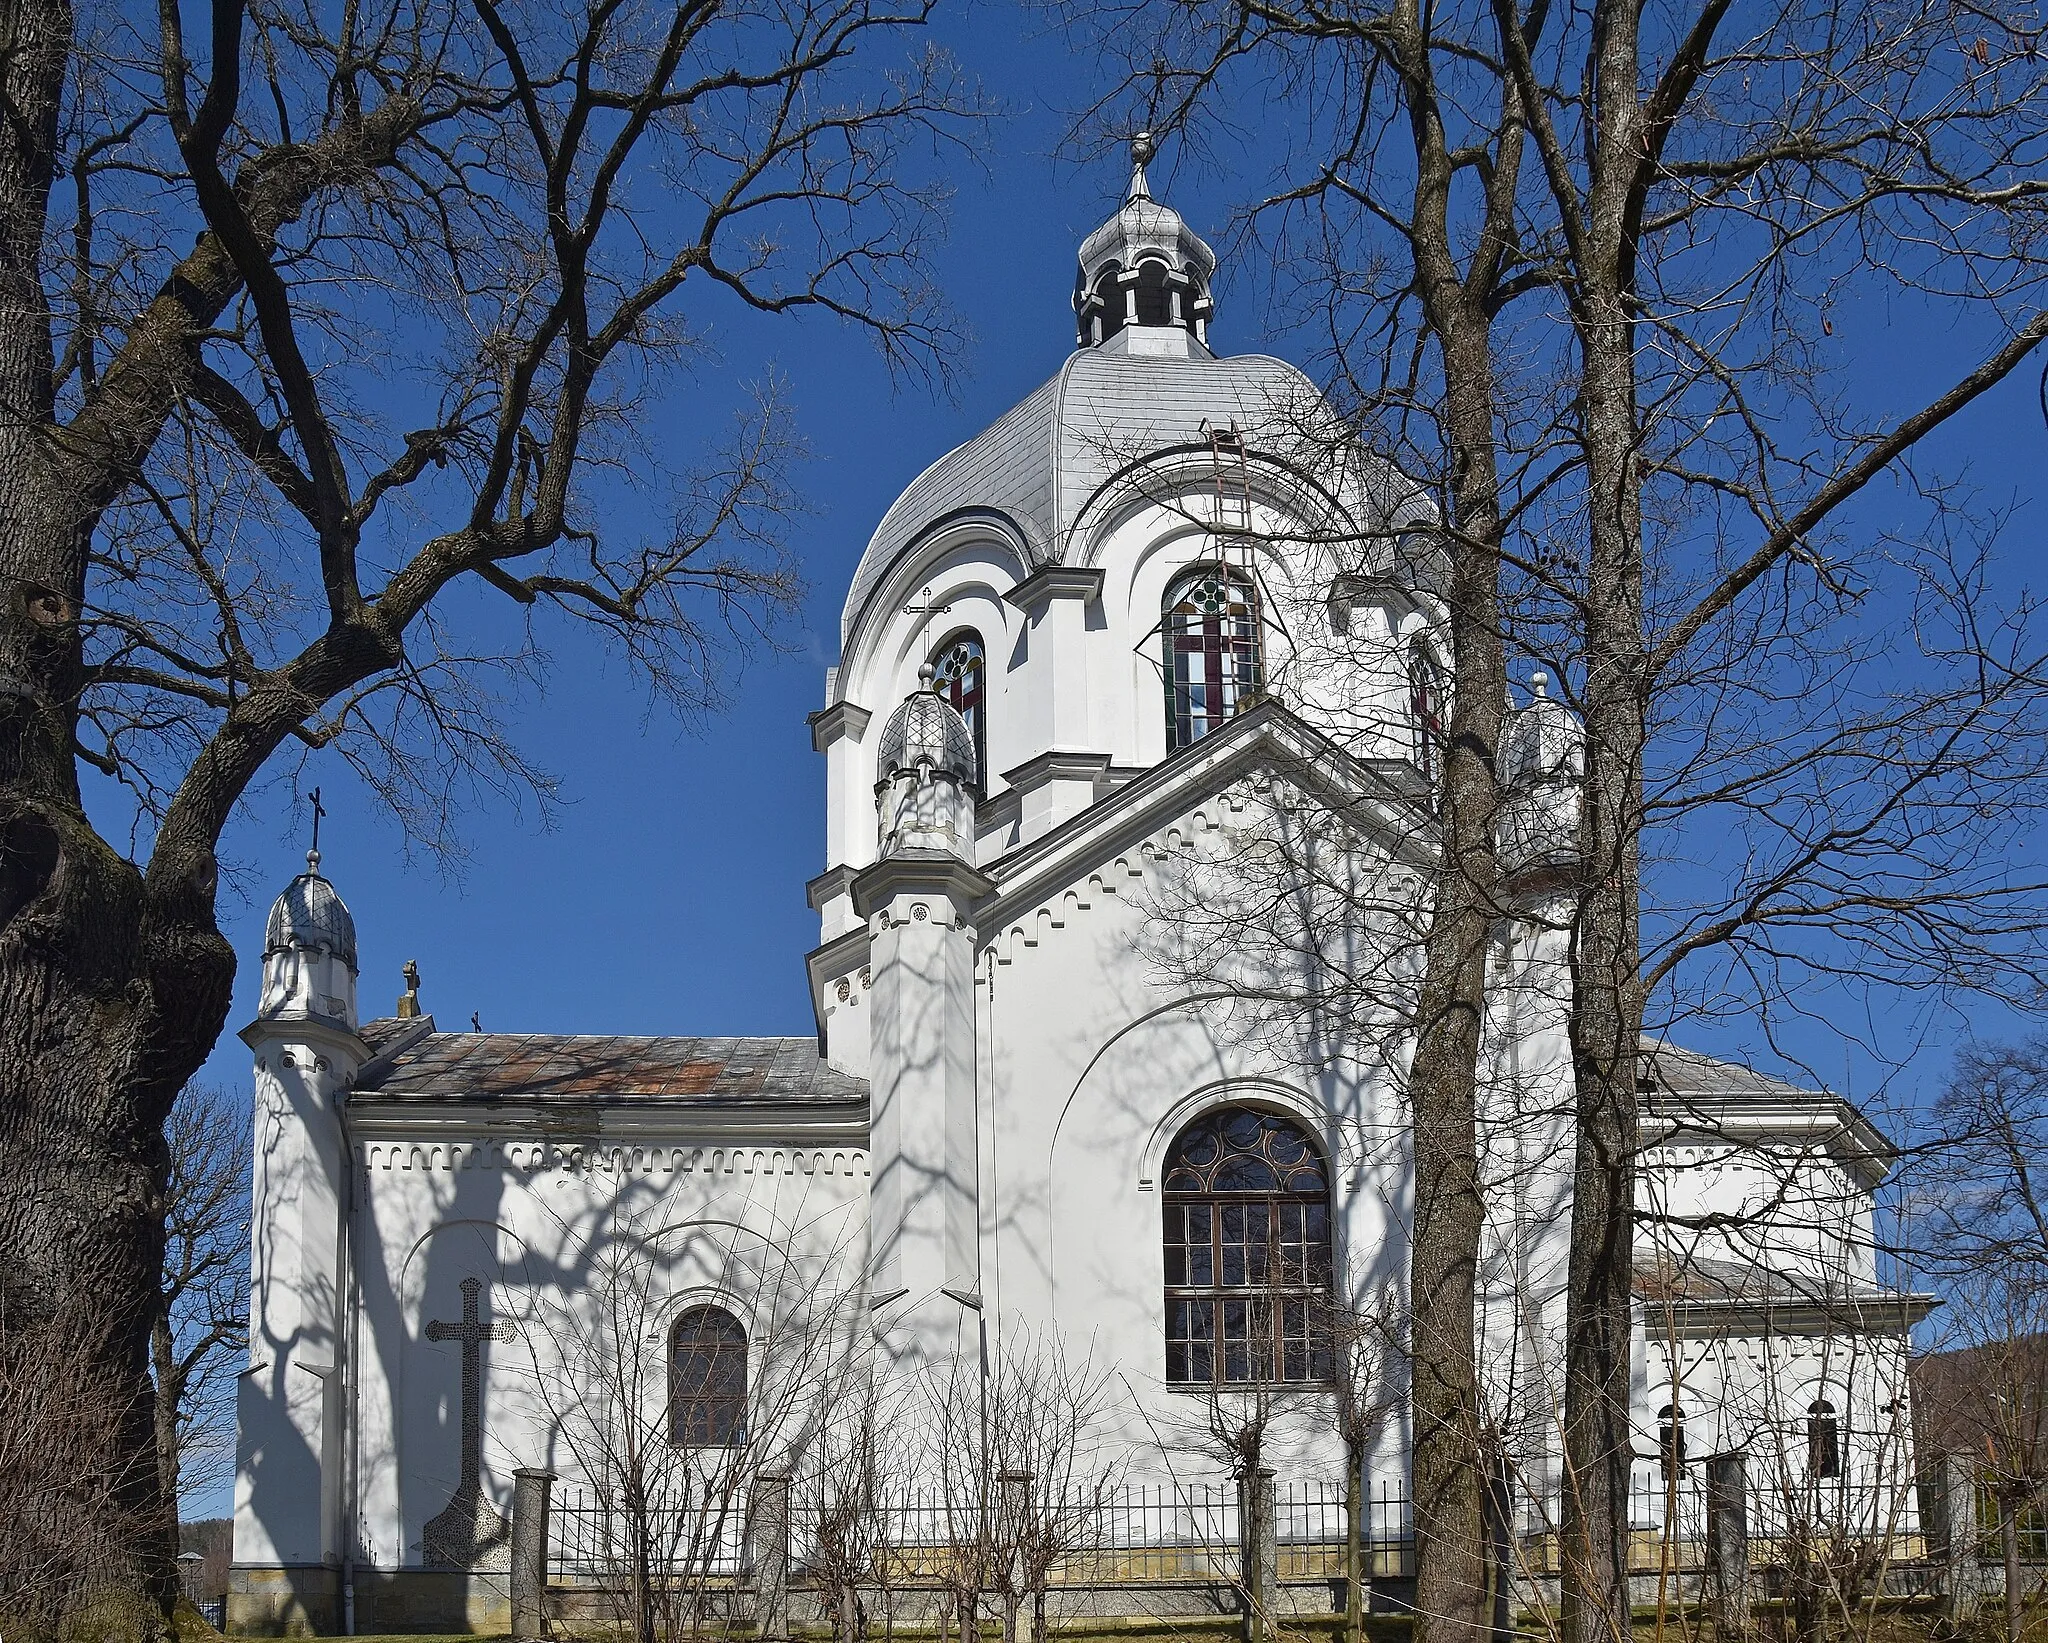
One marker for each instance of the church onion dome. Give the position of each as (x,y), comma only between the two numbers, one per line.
(926,732)
(1542,743)
(1144,266)
(310,917)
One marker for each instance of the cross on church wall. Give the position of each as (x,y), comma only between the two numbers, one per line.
(472,1333)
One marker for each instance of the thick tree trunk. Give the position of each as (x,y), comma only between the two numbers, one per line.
(1606,1019)
(1450,1537)
(109,995)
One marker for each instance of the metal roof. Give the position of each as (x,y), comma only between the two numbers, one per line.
(586,1067)
(1039,464)
(310,916)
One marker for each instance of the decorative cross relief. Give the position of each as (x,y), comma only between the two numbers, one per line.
(469,1533)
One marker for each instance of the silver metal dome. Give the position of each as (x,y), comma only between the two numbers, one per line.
(310,916)
(927,730)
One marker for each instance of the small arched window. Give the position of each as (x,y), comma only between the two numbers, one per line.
(1425,707)
(1108,294)
(1155,297)
(1247,1240)
(959,674)
(1670,1439)
(1823,1440)
(707,1379)
(1212,651)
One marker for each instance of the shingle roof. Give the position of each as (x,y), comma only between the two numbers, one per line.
(580,1067)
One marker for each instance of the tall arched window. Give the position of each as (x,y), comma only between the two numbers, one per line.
(1212,651)
(1823,1440)
(707,1379)
(1425,707)
(959,675)
(1247,1241)
(1670,1439)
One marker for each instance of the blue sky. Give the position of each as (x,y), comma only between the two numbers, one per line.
(668,895)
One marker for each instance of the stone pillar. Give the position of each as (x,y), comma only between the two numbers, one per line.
(1013,1524)
(1728,1542)
(1259,1551)
(530,1489)
(768,1552)
(1948,1517)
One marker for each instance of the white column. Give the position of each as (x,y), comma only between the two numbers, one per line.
(1060,777)
(924,1158)
(837,732)
(289,1461)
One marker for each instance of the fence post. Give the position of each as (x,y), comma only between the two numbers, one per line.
(1258,1550)
(1728,1542)
(768,1552)
(1012,1526)
(1948,1507)
(530,1486)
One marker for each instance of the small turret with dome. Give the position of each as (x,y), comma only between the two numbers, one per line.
(926,776)
(309,952)
(1144,266)
(1542,761)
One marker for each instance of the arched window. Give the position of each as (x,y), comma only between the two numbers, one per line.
(1247,1238)
(707,1379)
(1212,651)
(1425,707)
(1155,299)
(1109,303)
(1670,1439)
(959,675)
(1823,1440)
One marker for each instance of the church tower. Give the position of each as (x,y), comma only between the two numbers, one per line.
(918,900)
(290,1400)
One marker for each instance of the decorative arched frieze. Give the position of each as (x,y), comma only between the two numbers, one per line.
(387,1157)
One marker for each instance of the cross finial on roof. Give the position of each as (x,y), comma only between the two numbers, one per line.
(313,855)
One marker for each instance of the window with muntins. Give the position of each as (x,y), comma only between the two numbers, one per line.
(1425,707)
(1247,1242)
(707,1379)
(1212,651)
(960,674)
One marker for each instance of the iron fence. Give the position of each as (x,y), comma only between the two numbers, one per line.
(592,1537)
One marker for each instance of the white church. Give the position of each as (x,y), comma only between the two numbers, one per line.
(1127,829)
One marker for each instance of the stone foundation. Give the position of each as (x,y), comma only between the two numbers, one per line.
(307,1602)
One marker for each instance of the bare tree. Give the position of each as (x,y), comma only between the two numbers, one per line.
(1980,1229)
(667,1430)
(1591,257)
(203,1324)
(319,335)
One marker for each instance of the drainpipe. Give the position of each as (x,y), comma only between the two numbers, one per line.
(351,1298)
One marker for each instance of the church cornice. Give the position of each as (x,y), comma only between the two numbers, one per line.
(1387,796)
(840,721)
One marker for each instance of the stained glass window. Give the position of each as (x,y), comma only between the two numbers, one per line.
(707,1379)
(1212,651)
(1247,1245)
(960,677)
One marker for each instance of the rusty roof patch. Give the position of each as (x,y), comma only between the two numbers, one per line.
(591,1067)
